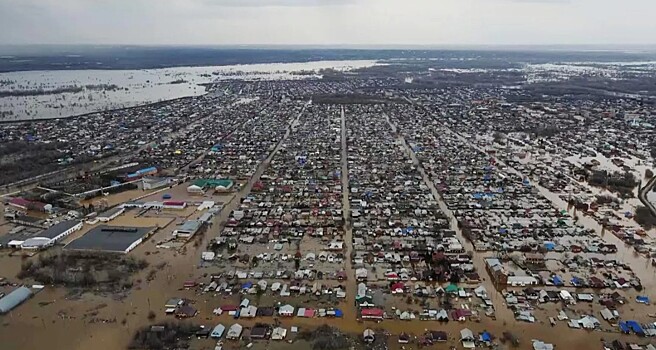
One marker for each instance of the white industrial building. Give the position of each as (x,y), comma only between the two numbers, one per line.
(49,236)
(151,183)
(110,214)
(188,229)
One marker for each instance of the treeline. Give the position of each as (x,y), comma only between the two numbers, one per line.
(61,90)
(622,183)
(85,270)
(169,335)
(645,218)
(21,160)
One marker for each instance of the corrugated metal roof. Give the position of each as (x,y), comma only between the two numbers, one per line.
(190,226)
(110,212)
(206,217)
(58,229)
(13,299)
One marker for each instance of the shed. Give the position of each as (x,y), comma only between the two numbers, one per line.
(565,295)
(278,333)
(607,314)
(234,332)
(467,338)
(217,332)
(259,332)
(368,336)
(245,302)
(540,345)
(451,288)
(286,310)
(248,312)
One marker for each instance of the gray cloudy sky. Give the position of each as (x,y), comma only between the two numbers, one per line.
(370,22)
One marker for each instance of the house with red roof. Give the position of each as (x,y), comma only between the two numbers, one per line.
(24,204)
(373,313)
(398,288)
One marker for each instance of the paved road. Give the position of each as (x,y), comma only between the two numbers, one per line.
(351,284)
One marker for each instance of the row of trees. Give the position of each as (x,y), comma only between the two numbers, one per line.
(645,218)
(82,269)
(622,183)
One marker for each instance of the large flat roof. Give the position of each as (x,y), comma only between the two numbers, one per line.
(109,238)
(190,226)
(213,183)
(110,212)
(57,229)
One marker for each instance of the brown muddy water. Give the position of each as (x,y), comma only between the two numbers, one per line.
(51,320)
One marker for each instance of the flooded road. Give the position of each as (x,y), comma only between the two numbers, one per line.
(351,283)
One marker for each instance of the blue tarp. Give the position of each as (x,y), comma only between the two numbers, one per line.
(339,313)
(642,299)
(549,245)
(503,230)
(576,281)
(624,328)
(247,285)
(485,336)
(557,281)
(635,327)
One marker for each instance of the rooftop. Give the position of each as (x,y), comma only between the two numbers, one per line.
(109,238)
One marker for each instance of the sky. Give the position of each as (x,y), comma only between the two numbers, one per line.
(328,22)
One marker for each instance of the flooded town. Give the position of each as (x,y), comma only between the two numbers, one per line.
(488,203)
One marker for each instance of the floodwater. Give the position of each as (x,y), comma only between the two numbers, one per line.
(135,87)
(564,71)
(60,323)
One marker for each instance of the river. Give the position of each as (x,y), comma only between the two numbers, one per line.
(113,89)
